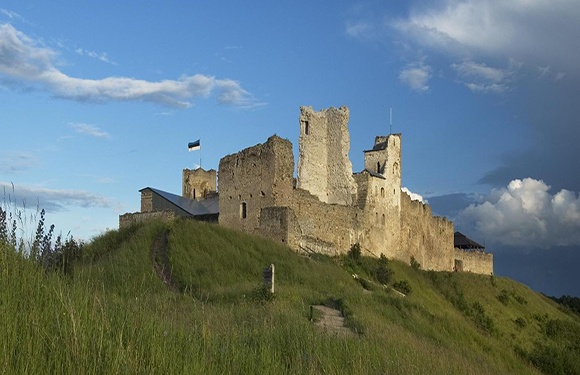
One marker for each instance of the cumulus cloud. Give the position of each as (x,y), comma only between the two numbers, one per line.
(88,129)
(525,213)
(414,196)
(21,58)
(416,75)
(54,200)
(13,162)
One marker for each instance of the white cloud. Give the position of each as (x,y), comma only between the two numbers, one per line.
(559,76)
(526,214)
(414,196)
(55,200)
(416,75)
(544,32)
(21,58)
(13,162)
(88,129)
(358,29)
(11,15)
(479,77)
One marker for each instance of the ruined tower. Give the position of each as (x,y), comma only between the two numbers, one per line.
(198,183)
(324,168)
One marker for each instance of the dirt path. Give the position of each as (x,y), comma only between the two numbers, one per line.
(332,320)
(161,261)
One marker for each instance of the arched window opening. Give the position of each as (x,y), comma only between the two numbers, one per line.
(383,220)
(382,192)
(378,167)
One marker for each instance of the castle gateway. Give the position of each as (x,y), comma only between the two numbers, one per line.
(327,208)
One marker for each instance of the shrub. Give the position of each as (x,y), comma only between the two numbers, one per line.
(403,286)
(414,264)
(383,260)
(504,297)
(355,251)
(521,323)
(492,281)
(365,283)
(383,274)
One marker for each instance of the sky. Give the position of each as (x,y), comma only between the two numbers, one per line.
(99,100)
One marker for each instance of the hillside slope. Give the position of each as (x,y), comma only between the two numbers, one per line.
(116,315)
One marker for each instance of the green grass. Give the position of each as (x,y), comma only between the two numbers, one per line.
(113,315)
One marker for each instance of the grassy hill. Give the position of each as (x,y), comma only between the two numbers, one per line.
(113,313)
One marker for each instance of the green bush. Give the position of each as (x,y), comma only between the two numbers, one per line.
(355,252)
(383,274)
(520,323)
(403,286)
(504,297)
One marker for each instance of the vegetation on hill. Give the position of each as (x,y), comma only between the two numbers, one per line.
(111,313)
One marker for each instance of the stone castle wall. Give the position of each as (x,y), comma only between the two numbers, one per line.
(198,183)
(475,261)
(427,238)
(324,168)
(252,179)
(128,219)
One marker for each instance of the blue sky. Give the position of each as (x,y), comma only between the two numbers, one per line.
(98,100)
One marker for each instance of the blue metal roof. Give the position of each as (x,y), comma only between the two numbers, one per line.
(195,208)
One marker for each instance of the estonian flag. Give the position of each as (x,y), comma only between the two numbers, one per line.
(192,146)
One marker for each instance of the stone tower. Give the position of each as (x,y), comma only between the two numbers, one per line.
(324,168)
(198,183)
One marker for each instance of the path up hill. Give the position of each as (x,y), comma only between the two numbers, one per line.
(185,297)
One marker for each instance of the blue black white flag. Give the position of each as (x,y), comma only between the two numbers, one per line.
(192,146)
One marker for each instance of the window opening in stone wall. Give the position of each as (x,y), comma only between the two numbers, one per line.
(376,217)
(306,129)
(378,167)
(395,168)
(243,210)
(382,192)
(383,220)
(193,193)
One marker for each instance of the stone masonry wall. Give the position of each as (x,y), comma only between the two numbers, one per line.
(324,168)
(475,261)
(429,239)
(256,177)
(198,183)
(129,219)
(324,228)
(146,201)
(378,224)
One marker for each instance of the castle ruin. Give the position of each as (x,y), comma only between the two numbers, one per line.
(327,208)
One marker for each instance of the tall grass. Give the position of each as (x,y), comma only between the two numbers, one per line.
(113,315)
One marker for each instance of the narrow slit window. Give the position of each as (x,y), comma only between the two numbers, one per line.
(382,192)
(306,129)
(383,220)
(243,210)
(378,167)
(193,193)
